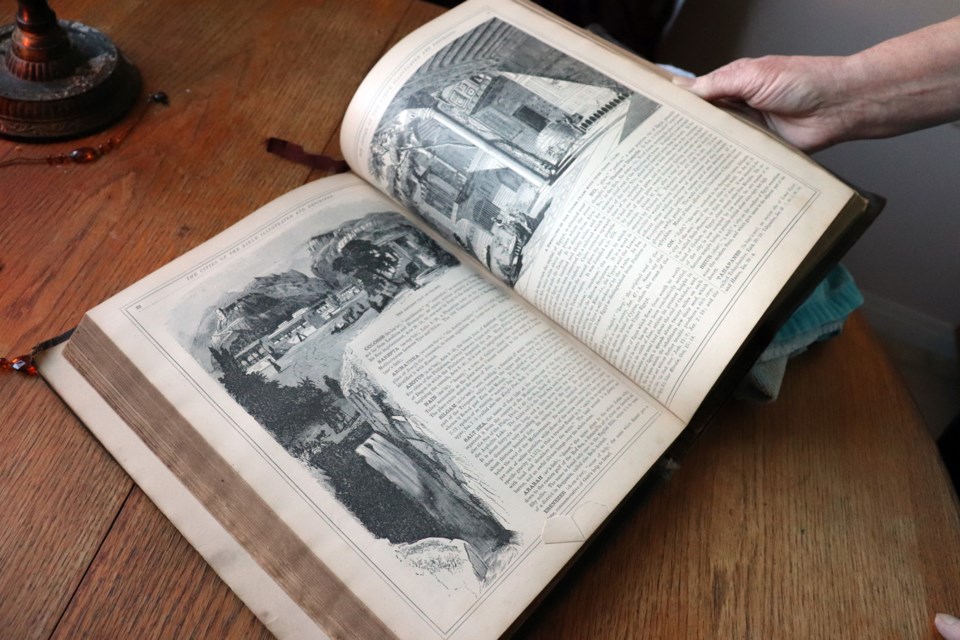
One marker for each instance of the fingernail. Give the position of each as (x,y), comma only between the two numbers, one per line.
(945,620)
(683,81)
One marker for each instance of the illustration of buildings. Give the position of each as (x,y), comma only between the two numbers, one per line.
(474,164)
(406,253)
(269,353)
(481,134)
(403,257)
(539,121)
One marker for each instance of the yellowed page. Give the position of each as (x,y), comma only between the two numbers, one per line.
(228,558)
(442,448)
(653,227)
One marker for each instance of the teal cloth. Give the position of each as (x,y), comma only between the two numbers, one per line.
(820,317)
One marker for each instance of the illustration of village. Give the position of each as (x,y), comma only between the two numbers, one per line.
(280,348)
(485,138)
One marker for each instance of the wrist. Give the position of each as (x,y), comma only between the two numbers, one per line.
(854,98)
(903,84)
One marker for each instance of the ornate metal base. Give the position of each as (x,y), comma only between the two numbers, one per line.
(102,87)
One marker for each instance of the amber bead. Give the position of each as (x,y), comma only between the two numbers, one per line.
(83,155)
(23,364)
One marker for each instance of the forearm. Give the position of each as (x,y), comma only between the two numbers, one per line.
(898,86)
(904,84)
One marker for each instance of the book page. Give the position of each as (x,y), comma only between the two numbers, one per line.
(278,612)
(435,442)
(653,227)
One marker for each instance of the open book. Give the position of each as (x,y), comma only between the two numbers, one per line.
(396,403)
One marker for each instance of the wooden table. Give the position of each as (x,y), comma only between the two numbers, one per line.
(826,514)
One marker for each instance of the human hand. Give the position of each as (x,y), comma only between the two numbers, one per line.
(948,626)
(900,85)
(798,97)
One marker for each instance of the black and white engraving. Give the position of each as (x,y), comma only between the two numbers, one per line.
(279,346)
(486,136)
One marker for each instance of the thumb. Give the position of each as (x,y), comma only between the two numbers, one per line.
(735,81)
(705,87)
(948,626)
(686,82)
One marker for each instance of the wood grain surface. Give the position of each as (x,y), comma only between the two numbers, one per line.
(824,515)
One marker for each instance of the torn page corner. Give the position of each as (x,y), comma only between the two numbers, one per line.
(558,529)
(589,516)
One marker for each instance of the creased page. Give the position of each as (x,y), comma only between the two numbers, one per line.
(653,227)
(415,424)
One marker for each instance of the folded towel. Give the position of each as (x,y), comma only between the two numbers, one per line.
(820,317)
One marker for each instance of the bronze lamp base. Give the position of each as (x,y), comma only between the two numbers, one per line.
(60,79)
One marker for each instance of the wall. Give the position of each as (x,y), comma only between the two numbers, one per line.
(909,260)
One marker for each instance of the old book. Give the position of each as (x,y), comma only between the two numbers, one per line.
(396,403)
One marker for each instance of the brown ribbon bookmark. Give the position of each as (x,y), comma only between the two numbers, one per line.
(295,153)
